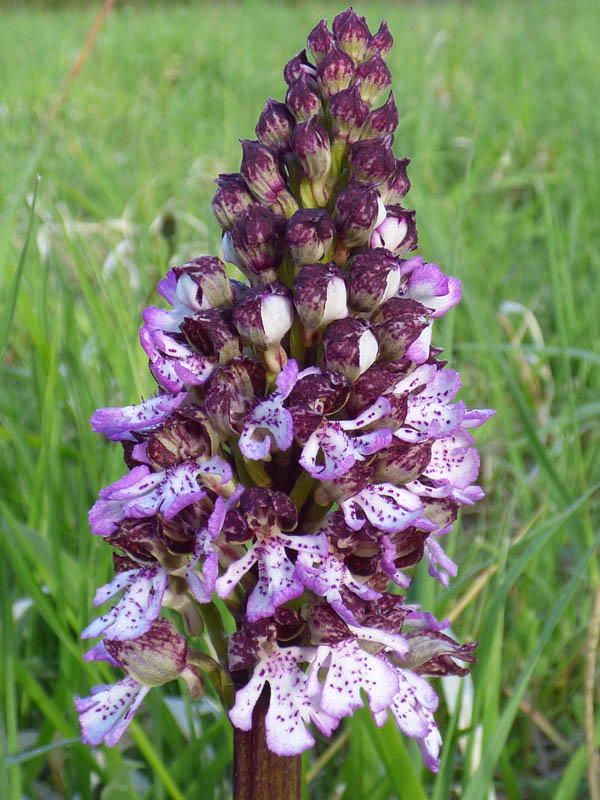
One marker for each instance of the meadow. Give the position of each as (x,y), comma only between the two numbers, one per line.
(501,120)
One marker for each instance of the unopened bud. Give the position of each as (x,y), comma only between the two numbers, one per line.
(186,434)
(352,33)
(397,185)
(358,212)
(232,390)
(372,160)
(231,199)
(320,295)
(374,277)
(320,41)
(335,72)
(381,120)
(398,323)
(263,317)
(311,147)
(275,126)
(302,98)
(258,242)
(350,347)
(349,112)
(309,235)
(203,283)
(212,333)
(296,66)
(373,77)
(261,172)
(381,42)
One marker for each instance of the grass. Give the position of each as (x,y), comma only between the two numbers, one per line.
(500,119)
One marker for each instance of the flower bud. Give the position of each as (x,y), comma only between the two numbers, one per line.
(349,112)
(397,185)
(398,323)
(320,295)
(156,657)
(320,41)
(261,173)
(309,235)
(373,77)
(310,144)
(350,347)
(352,33)
(302,98)
(275,126)
(397,232)
(381,120)
(374,277)
(372,160)
(335,72)
(212,333)
(268,512)
(263,317)
(203,283)
(231,199)
(258,243)
(401,462)
(324,392)
(351,483)
(373,383)
(186,434)
(357,211)
(232,390)
(296,66)
(381,42)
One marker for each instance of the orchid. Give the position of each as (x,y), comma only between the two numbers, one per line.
(305,448)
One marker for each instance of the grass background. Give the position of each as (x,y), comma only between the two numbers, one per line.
(500,116)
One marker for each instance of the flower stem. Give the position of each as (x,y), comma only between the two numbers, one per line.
(259,774)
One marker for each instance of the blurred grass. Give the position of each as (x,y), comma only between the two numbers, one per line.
(500,118)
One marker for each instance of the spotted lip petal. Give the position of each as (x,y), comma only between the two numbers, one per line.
(117,424)
(105,715)
(387,507)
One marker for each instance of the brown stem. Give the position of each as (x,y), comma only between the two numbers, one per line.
(258,774)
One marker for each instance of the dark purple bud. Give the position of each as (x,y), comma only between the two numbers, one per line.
(432,653)
(381,42)
(187,433)
(350,483)
(374,277)
(204,282)
(443,511)
(232,390)
(398,322)
(296,66)
(258,240)
(212,333)
(275,126)
(320,295)
(268,512)
(310,144)
(320,41)
(397,185)
(325,392)
(306,421)
(358,210)
(231,199)
(350,347)
(263,316)
(349,112)
(302,98)
(373,77)
(373,383)
(397,232)
(156,657)
(381,120)
(400,462)
(335,72)
(325,626)
(139,538)
(352,33)
(372,160)
(309,235)
(261,173)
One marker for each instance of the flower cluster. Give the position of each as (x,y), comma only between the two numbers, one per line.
(304,449)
